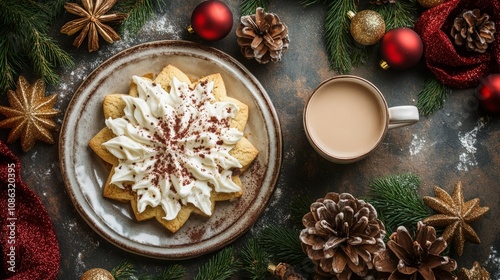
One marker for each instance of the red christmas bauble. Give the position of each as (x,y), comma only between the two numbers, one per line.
(400,48)
(211,20)
(488,93)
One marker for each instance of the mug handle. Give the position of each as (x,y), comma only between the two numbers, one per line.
(400,116)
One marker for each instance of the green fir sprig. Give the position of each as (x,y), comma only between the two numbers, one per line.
(254,259)
(138,13)
(248,7)
(283,244)
(172,272)
(402,13)
(25,45)
(123,271)
(432,96)
(397,201)
(220,267)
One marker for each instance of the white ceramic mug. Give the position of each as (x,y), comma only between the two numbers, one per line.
(346,118)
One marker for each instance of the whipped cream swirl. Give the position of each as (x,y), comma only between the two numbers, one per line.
(173,148)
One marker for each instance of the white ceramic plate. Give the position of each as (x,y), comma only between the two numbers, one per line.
(84,173)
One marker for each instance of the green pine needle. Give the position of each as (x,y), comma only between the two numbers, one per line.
(138,13)
(402,13)
(172,272)
(432,96)
(283,244)
(397,201)
(25,27)
(338,39)
(312,2)
(123,271)
(360,55)
(248,7)
(254,260)
(298,208)
(45,54)
(221,266)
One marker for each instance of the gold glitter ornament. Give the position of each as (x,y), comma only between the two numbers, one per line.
(367,27)
(430,3)
(30,114)
(97,274)
(475,273)
(455,215)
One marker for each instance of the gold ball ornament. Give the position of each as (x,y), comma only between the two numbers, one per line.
(430,3)
(367,27)
(97,274)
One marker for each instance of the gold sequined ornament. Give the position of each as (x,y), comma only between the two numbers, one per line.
(30,114)
(475,273)
(367,27)
(97,274)
(430,3)
(455,215)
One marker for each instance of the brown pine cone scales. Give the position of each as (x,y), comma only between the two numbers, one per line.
(417,258)
(474,30)
(341,235)
(262,36)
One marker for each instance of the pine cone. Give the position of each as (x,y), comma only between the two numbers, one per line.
(341,235)
(262,36)
(419,258)
(474,30)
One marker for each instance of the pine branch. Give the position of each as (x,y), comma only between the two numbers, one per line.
(254,260)
(10,63)
(298,208)
(248,7)
(221,266)
(338,39)
(283,244)
(53,9)
(139,12)
(402,13)
(312,2)
(24,29)
(397,201)
(123,271)
(360,55)
(46,55)
(173,272)
(432,96)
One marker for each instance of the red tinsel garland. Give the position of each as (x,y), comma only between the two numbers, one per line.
(454,65)
(27,238)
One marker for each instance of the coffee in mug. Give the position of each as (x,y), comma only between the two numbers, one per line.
(346,118)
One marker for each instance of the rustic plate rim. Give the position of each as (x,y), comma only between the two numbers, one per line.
(271,176)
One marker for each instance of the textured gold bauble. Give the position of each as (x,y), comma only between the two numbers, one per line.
(97,274)
(430,3)
(367,27)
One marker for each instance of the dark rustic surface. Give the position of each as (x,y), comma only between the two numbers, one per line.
(459,142)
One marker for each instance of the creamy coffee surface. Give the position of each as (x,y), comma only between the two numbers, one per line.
(345,119)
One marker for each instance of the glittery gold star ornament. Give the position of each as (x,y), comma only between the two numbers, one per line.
(30,114)
(475,273)
(455,215)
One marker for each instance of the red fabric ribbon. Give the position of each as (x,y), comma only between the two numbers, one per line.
(454,65)
(28,242)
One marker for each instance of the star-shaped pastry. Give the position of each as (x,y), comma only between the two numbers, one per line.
(475,273)
(30,114)
(455,215)
(91,22)
(175,147)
